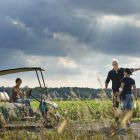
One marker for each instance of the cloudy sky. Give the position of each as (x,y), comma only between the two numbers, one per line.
(74,40)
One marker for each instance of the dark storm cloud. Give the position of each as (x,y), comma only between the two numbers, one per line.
(30,25)
(119,7)
(121,40)
(13,58)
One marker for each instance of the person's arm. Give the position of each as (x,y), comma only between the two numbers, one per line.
(135,91)
(134,69)
(121,89)
(20,93)
(107,80)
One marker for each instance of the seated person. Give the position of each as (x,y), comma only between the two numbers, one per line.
(17,94)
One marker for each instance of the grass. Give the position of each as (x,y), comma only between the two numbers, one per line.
(80,116)
(88,110)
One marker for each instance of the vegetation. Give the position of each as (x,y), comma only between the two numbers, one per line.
(67,93)
(88,110)
(64,93)
(86,120)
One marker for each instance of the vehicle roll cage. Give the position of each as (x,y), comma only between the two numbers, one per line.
(27,69)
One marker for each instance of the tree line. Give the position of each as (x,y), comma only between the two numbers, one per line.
(67,93)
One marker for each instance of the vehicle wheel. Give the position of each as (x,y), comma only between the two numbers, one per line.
(2,121)
(50,120)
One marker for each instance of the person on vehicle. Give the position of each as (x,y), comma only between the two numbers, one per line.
(127,84)
(16,91)
(115,75)
(17,94)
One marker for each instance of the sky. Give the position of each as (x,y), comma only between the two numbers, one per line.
(73,40)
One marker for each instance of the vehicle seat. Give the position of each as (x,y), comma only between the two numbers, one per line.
(4,97)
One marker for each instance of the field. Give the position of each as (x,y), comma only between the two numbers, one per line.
(85,111)
(82,120)
(88,110)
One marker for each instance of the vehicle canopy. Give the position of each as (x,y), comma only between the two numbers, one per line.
(17,70)
(27,69)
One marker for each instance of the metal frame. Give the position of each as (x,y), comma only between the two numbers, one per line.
(27,69)
(39,81)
